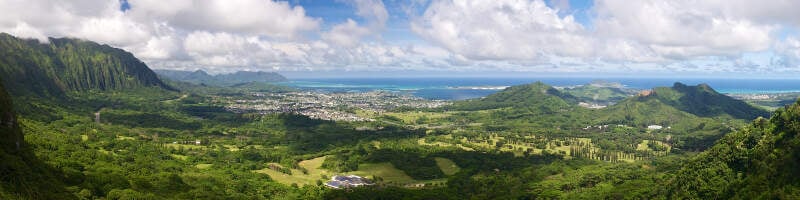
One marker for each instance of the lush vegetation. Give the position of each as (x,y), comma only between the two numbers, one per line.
(65,65)
(758,162)
(119,140)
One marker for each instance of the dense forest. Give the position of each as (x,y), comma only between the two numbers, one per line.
(117,131)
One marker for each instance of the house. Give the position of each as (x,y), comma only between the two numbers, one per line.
(654,127)
(339,182)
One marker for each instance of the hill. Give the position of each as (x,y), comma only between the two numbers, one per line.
(62,65)
(703,101)
(23,175)
(600,92)
(201,77)
(760,161)
(666,105)
(530,95)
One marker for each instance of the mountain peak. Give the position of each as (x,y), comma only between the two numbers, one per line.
(535,94)
(702,100)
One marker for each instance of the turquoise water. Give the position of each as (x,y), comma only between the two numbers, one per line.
(466,88)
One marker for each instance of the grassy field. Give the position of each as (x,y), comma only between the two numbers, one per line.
(447,166)
(185,146)
(313,167)
(203,166)
(297,176)
(392,175)
(385,171)
(412,117)
(179,157)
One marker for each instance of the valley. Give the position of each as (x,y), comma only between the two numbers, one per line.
(145,136)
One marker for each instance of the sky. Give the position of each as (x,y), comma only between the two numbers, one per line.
(715,38)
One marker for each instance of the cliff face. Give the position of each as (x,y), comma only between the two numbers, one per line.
(11,140)
(22,175)
(30,67)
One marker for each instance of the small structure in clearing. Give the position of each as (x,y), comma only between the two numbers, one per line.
(654,127)
(339,182)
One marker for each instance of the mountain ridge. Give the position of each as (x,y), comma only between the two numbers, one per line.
(64,64)
(535,94)
(202,77)
(703,101)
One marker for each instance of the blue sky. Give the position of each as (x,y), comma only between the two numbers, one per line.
(735,38)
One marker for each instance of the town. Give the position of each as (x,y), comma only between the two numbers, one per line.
(328,106)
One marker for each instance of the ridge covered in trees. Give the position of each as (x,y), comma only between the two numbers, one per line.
(63,65)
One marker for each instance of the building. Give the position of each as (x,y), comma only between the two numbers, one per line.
(654,127)
(339,182)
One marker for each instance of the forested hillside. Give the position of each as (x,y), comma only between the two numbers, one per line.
(537,94)
(117,132)
(50,69)
(22,175)
(760,161)
(703,101)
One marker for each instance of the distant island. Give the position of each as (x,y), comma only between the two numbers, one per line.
(202,77)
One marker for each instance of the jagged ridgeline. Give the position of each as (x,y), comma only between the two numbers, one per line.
(701,100)
(50,69)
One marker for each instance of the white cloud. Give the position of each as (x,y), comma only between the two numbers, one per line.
(523,35)
(347,34)
(678,30)
(350,33)
(503,29)
(372,10)
(788,52)
(260,17)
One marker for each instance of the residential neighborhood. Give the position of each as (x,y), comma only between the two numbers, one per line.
(327,106)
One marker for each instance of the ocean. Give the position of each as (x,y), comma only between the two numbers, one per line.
(466,88)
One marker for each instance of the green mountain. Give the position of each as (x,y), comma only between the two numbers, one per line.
(760,161)
(30,67)
(530,95)
(600,92)
(201,77)
(22,175)
(703,101)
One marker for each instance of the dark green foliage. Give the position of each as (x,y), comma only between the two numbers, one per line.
(32,68)
(22,174)
(757,162)
(416,166)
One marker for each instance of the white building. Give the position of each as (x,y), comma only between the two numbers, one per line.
(654,127)
(339,182)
